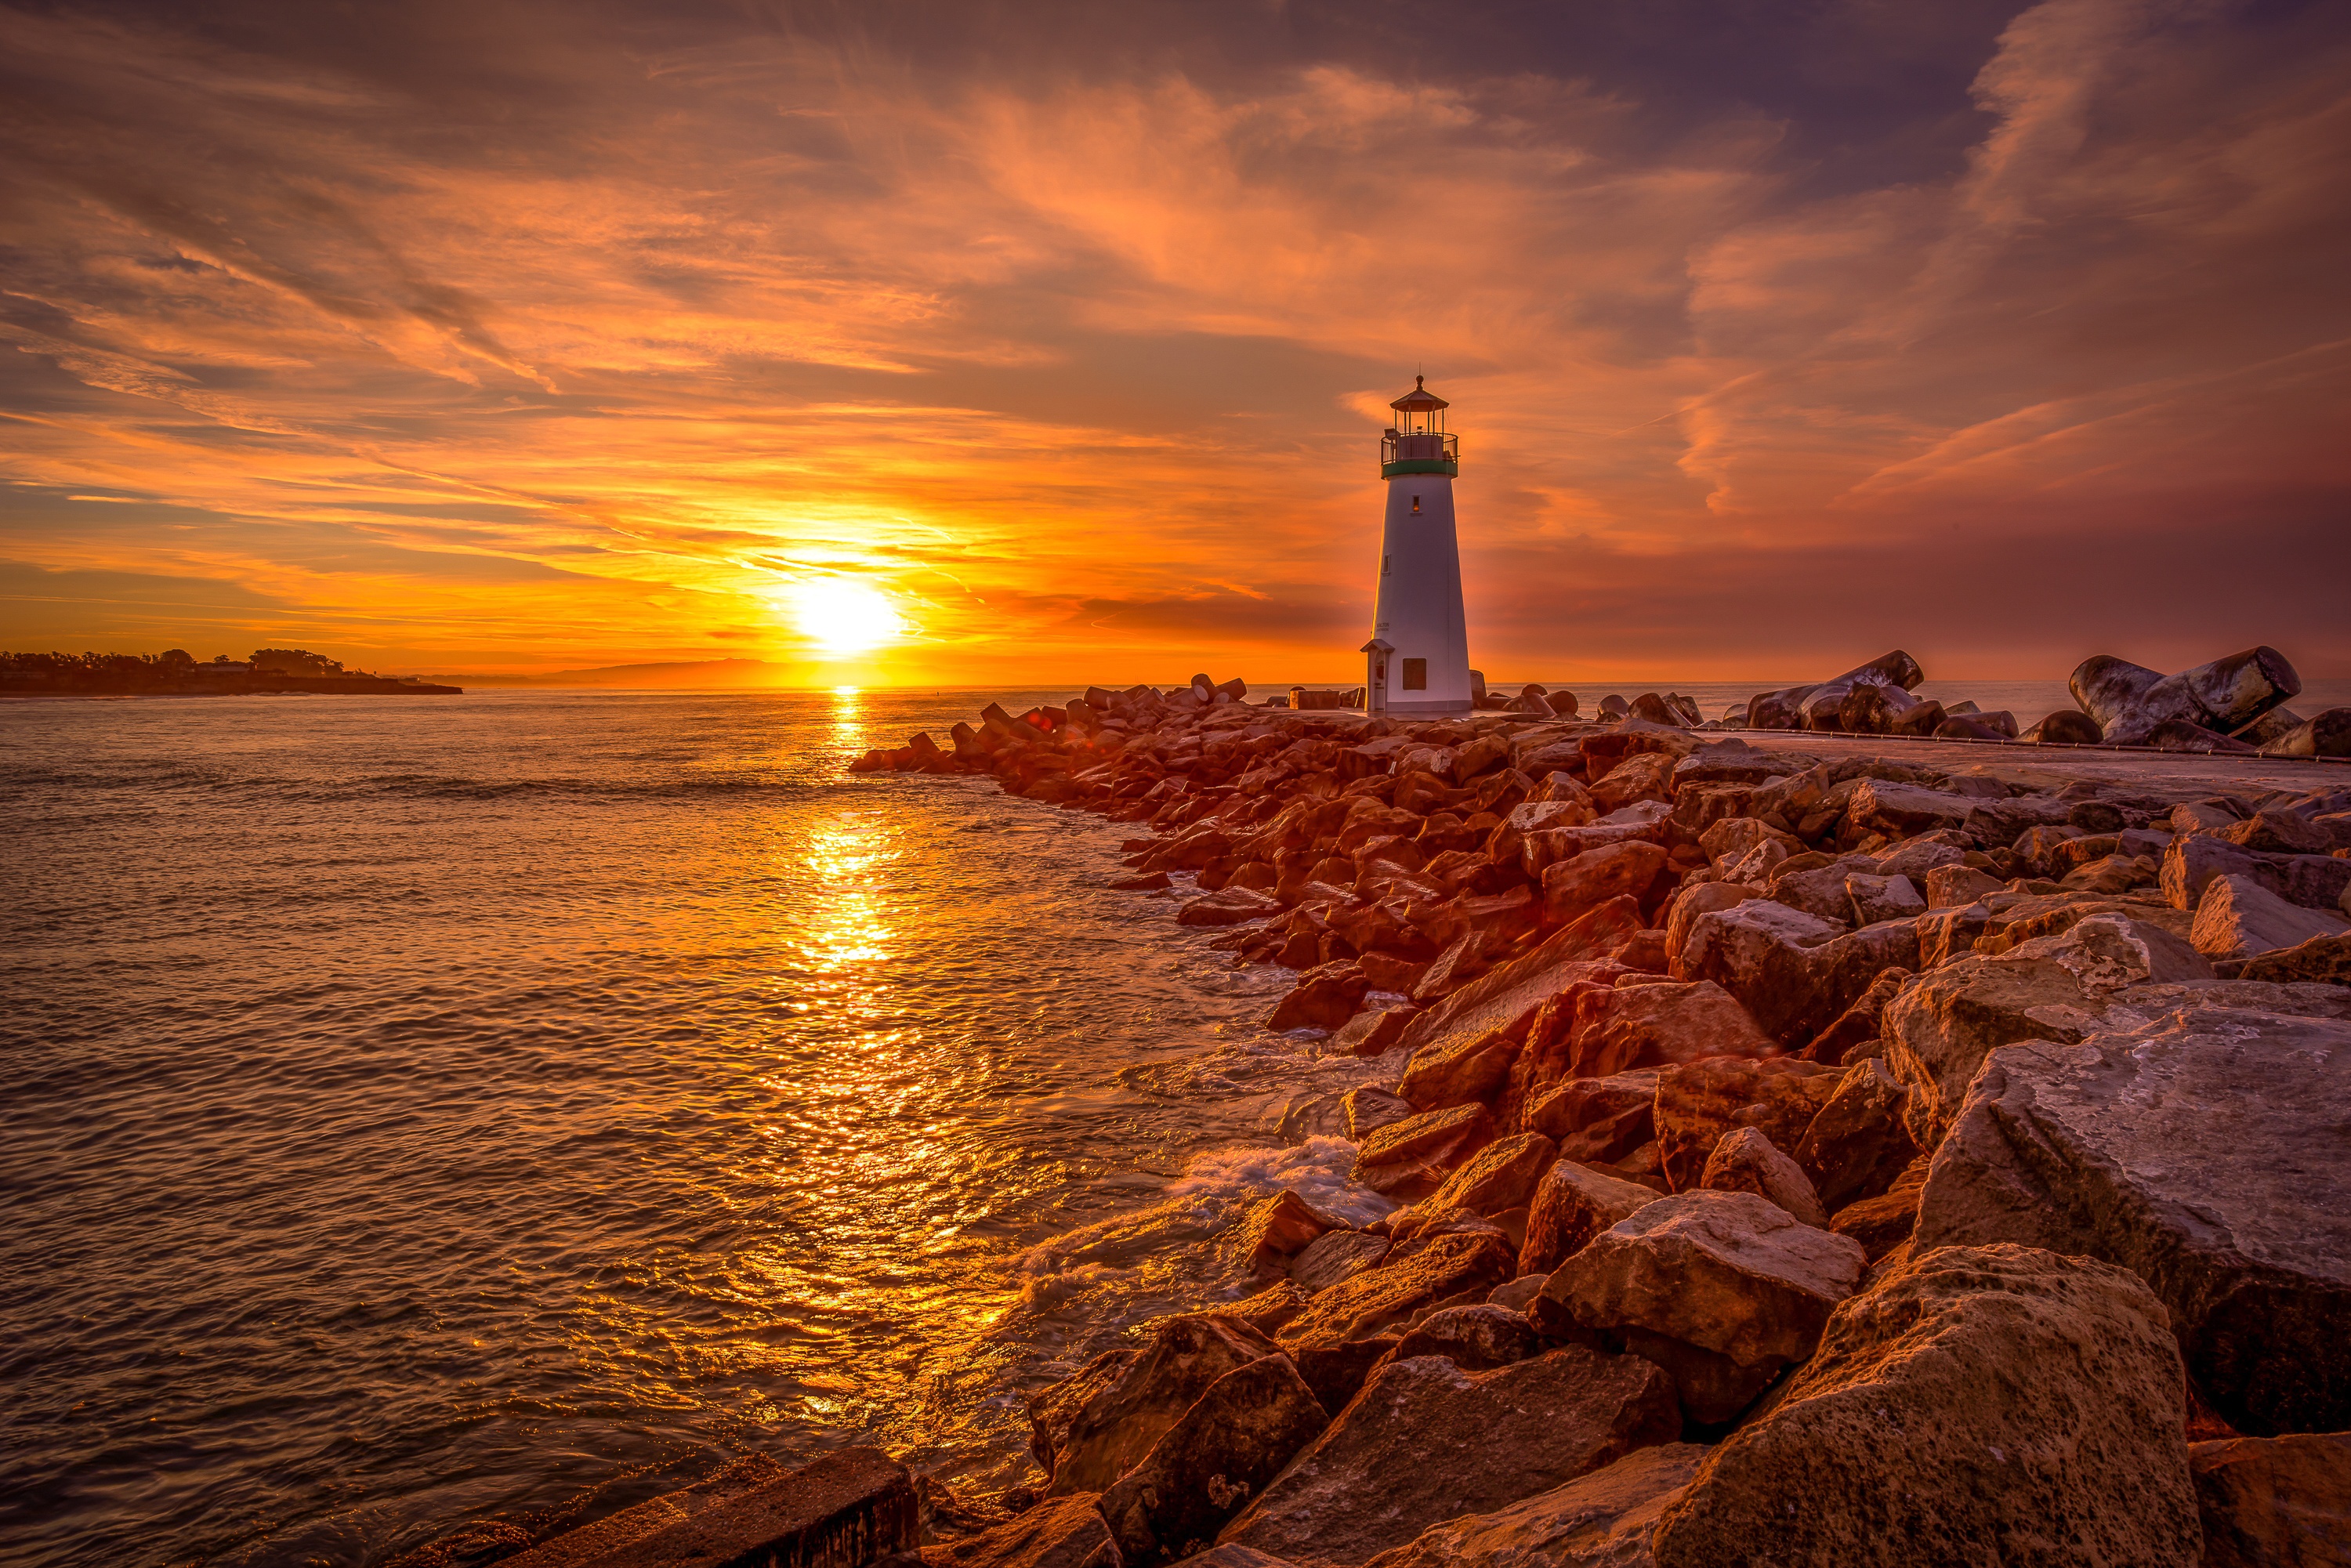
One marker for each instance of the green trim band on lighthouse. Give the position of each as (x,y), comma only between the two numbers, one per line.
(1417,660)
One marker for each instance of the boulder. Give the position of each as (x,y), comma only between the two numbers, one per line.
(1219,1453)
(1981,1404)
(1699,1102)
(1368,1110)
(2279,832)
(1613,870)
(1942,1026)
(1561,810)
(1051,1411)
(1059,1533)
(1425,1441)
(2199,1144)
(1372,1033)
(1760,952)
(1855,1032)
(1622,1028)
(2324,959)
(1325,998)
(1876,898)
(1379,1300)
(2275,1503)
(1414,1157)
(1605,1519)
(1276,1230)
(2129,702)
(2066,726)
(1228,907)
(1857,1143)
(1643,775)
(1128,1413)
(1900,810)
(1573,1204)
(1475,1339)
(1725,1289)
(1501,1177)
(1506,997)
(2238,917)
(2327,735)
(1747,1160)
(1881,1224)
(1459,1070)
(1951,886)
(1598,1120)
(1333,1256)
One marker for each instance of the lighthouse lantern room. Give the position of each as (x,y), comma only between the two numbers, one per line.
(1417,660)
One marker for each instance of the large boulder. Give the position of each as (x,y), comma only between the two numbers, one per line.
(1613,870)
(1573,1204)
(1425,1442)
(1625,1026)
(1411,1158)
(1903,810)
(1128,1412)
(2193,860)
(1059,1533)
(1981,1406)
(2239,918)
(2275,1503)
(1699,1102)
(1857,1143)
(1277,1228)
(2056,987)
(1237,1437)
(1605,1519)
(1446,1270)
(1506,997)
(1474,1338)
(1498,1178)
(1794,972)
(1747,1160)
(1725,1289)
(1336,1255)
(1598,1121)
(2326,959)
(2200,1144)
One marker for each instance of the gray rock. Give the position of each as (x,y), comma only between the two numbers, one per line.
(2203,1150)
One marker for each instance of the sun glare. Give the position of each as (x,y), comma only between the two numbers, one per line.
(843,617)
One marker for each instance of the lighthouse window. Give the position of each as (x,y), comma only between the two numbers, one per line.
(1415,505)
(1415,675)
(1384,566)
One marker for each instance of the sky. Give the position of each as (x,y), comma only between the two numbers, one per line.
(1054,341)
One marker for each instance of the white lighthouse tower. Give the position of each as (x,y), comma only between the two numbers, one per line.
(1417,660)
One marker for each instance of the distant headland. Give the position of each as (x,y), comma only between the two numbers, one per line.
(176,674)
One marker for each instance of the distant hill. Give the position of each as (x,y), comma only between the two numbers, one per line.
(682,672)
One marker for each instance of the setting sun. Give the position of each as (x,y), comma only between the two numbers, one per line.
(843,617)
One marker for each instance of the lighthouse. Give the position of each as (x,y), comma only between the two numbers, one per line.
(1417,660)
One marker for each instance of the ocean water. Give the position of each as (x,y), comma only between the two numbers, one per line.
(443,1109)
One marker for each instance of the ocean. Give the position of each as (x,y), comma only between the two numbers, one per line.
(511,1105)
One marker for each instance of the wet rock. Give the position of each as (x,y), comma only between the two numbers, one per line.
(1599,1119)
(1110,1434)
(2238,917)
(1605,1519)
(1219,1453)
(1501,1177)
(1275,1230)
(2275,1503)
(851,1505)
(1051,1412)
(1272,1307)
(1228,907)
(1334,1257)
(1475,1339)
(1725,1289)
(1372,1033)
(1414,1157)
(1595,876)
(1381,1299)
(1857,1143)
(1994,1404)
(1425,1442)
(1624,1028)
(1368,1110)
(1573,1204)
(1311,1116)
(1699,1102)
(1942,1026)
(1059,1533)
(2202,1149)
(1747,1160)
(2322,959)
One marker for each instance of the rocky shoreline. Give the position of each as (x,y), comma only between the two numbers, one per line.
(1909,1154)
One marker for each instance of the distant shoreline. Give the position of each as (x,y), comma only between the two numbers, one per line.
(229,686)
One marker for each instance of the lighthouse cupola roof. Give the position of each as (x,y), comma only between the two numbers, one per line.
(1417,442)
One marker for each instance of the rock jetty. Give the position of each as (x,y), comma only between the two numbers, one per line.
(1800,1158)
